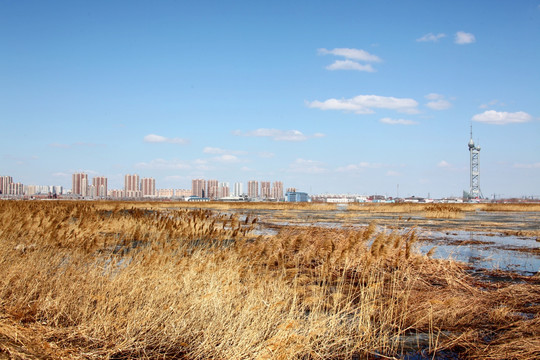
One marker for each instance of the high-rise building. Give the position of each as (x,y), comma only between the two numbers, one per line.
(91,192)
(56,189)
(131,186)
(265,189)
(5,182)
(79,184)
(253,189)
(212,189)
(148,187)
(182,193)
(131,182)
(36,190)
(100,186)
(198,188)
(277,190)
(165,193)
(116,194)
(16,189)
(223,190)
(238,189)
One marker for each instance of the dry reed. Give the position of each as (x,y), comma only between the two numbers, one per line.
(102,280)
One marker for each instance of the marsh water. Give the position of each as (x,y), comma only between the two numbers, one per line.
(507,241)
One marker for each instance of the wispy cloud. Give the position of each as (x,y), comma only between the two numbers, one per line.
(226,158)
(354,54)
(153,138)
(277,134)
(492,103)
(215,150)
(359,166)
(364,104)
(304,166)
(350,65)
(352,58)
(444,164)
(162,164)
(438,102)
(390,121)
(528,166)
(430,37)
(266,154)
(502,117)
(463,38)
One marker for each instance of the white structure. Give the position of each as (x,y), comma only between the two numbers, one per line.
(238,189)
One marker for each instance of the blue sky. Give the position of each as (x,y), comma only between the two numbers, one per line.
(327,96)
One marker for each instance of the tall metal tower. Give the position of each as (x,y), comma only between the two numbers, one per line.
(474,191)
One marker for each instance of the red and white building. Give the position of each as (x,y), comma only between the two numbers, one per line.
(148,187)
(79,184)
(100,186)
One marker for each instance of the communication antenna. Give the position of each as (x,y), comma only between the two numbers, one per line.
(474,191)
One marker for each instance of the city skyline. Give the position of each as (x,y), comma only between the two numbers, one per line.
(367,97)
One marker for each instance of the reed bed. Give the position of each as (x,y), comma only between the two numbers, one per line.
(443,211)
(115,281)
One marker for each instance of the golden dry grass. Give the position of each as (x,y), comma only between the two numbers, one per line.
(113,280)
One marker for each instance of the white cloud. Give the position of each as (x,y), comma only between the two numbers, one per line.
(364,104)
(528,166)
(354,54)
(443,164)
(464,38)
(161,164)
(431,37)
(360,166)
(393,173)
(492,103)
(278,135)
(434,96)
(215,150)
(60,174)
(266,154)
(153,138)
(502,117)
(226,158)
(439,104)
(397,121)
(350,65)
(304,166)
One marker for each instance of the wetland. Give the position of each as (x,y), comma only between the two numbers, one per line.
(124,280)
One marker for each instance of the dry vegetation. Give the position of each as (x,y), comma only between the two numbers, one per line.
(109,280)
